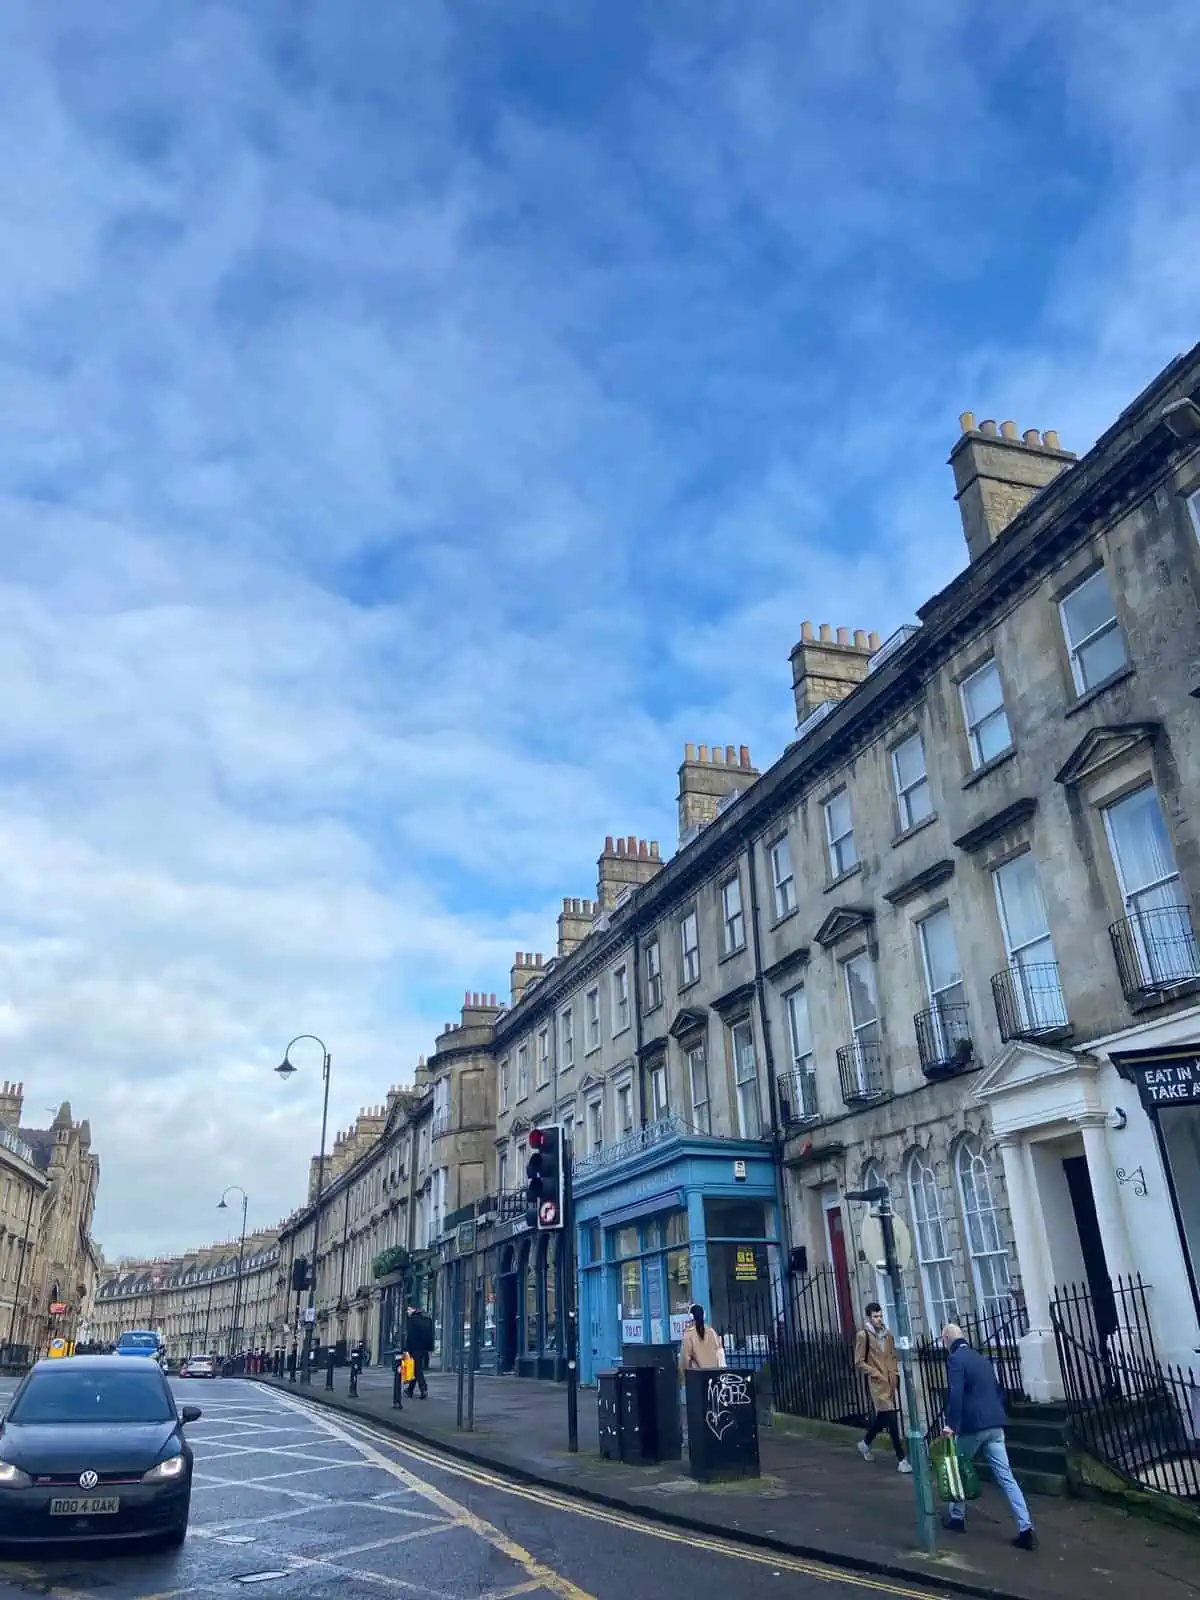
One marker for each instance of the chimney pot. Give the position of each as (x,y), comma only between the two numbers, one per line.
(631,845)
(1032,438)
(966,421)
(826,633)
(873,640)
(689,752)
(843,636)
(538,959)
(989,429)
(643,849)
(620,847)
(860,639)
(730,755)
(704,753)
(744,756)
(608,844)
(1008,430)
(1050,440)
(718,753)
(654,849)
(806,632)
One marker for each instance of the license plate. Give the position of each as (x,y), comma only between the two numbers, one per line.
(86,1508)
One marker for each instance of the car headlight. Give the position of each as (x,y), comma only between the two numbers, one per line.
(12,1477)
(165,1471)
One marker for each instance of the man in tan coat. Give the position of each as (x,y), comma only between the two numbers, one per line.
(875,1357)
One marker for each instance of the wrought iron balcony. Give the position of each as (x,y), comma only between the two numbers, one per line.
(862,1072)
(1029,1001)
(1156,950)
(654,1133)
(441,1122)
(944,1039)
(798,1097)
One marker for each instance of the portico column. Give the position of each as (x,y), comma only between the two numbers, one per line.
(1107,1196)
(1039,1355)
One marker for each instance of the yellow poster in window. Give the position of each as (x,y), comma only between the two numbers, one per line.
(745,1268)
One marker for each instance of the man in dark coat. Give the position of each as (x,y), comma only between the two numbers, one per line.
(418,1341)
(975,1419)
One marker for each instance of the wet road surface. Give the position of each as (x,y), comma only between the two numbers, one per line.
(292,1503)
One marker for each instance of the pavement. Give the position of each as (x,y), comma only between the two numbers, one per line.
(816,1501)
(294,1501)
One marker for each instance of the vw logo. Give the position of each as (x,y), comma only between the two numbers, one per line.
(88,1480)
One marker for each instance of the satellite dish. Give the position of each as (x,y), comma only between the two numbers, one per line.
(872,1242)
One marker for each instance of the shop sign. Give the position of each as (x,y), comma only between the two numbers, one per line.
(1175,1083)
(632,1330)
(680,1323)
(745,1267)
(58,1310)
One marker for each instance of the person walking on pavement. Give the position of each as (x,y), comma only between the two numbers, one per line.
(418,1339)
(975,1420)
(700,1348)
(875,1357)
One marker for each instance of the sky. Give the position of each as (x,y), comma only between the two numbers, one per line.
(419,421)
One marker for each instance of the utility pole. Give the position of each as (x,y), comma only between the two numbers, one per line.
(917,1453)
(572,1298)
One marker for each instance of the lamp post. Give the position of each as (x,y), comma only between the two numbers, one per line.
(285,1070)
(237,1284)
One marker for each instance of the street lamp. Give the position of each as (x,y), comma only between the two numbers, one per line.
(285,1070)
(237,1285)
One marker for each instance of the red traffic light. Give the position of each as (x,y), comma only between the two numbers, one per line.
(537,1139)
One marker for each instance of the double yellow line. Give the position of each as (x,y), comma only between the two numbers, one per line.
(483,1477)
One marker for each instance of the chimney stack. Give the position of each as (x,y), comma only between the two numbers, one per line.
(625,864)
(526,970)
(997,472)
(706,778)
(574,924)
(826,668)
(12,1102)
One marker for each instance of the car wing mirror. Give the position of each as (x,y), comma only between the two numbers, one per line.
(190,1414)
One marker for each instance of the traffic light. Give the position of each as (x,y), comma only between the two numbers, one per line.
(299,1274)
(544,1180)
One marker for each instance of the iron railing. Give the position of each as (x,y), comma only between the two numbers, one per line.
(794,1336)
(944,1039)
(441,1124)
(645,1138)
(1138,1415)
(1029,1001)
(1156,949)
(996,1334)
(862,1072)
(798,1096)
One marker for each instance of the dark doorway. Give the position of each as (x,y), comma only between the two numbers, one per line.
(841,1269)
(506,1314)
(1091,1243)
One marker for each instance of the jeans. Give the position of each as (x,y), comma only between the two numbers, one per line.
(990,1445)
(890,1421)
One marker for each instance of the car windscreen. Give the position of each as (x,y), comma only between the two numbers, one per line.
(73,1395)
(138,1341)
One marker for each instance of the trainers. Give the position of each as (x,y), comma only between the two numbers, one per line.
(954,1525)
(905,1467)
(1026,1539)
(864,1450)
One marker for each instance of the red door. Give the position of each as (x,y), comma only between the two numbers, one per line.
(841,1269)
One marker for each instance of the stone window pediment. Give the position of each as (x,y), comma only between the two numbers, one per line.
(591,1081)
(929,878)
(688,1020)
(788,963)
(1010,817)
(734,1002)
(1101,747)
(843,921)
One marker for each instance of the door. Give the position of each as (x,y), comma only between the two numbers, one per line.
(1091,1244)
(835,1229)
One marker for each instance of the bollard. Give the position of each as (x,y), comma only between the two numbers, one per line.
(329,1369)
(398,1383)
(354,1360)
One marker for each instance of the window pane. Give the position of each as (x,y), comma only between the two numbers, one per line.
(1022,909)
(1088,608)
(910,762)
(983,694)
(1140,844)
(941,955)
(860,989)
(798,1026)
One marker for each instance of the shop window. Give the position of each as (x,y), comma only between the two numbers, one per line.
(631,1301)
(735,1219)
(677,1227)
(679,1281)
(551,1332)
(531,1303)
(625,1242)
(989,1258)
(590,1235)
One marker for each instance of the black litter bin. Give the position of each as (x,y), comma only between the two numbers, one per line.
(608,1413)
(722,1425)
(626,1418)
(663,1361)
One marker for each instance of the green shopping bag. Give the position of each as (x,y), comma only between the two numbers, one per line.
(954,1474)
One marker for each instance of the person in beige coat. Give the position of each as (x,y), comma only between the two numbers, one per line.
(875,1357)
(700,1348)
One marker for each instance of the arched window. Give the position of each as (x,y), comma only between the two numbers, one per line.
(933,1245)
(873,1178)
(989,1258)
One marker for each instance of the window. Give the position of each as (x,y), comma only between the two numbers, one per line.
(1094,639)
(620,999)
(839,831)
(933,1247)
(912,782)
(591,1020)
(653,975)
(989,1258)
(859,977)
(988,732)
(873,1178)
(502,1171)
(595,1126)
(689,949)
(624,1109)
(804,1078)
(522,1071)
(1037,995)
(1158,918)
(733,922)
(943,983)
(659,1094)
(745,1076)
(568,1126)
(543,1057)
(697,1060)
(781,877)
(566,1039)
(504,1084)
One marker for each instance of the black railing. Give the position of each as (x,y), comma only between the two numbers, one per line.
(862,1072)
(1156,949)
(996,1334)
(1138,1415)
(1029,1001)
(793,1335)
(944,1039)
(798,1096)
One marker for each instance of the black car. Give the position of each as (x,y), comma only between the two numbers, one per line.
(93,1448)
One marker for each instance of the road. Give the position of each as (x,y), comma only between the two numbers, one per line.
(293,1503)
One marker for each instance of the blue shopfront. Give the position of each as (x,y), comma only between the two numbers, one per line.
(663,1223)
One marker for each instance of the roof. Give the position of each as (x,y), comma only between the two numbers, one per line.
(117,1363)
(41,1142)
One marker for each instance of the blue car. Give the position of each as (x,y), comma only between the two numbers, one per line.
(141,1342)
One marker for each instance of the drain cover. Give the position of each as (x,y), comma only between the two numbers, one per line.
(235,1538)
(260,1577)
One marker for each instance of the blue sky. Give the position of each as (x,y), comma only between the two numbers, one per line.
(419,421)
